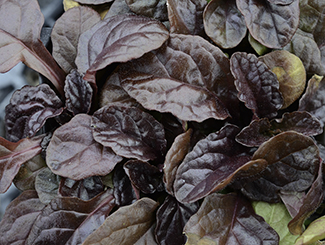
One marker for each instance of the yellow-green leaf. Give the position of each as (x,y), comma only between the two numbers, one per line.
(314,232)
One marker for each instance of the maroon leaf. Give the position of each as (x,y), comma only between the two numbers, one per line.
(258,87)
(20,26)
(228,219)
(78,93)
(132,37)
(74,153)
(29,109)
(130,132)
(47,185)
(271,24)
(66,32)
(13,155)
(156,9)
(171,219)
(224,23)
(293,201)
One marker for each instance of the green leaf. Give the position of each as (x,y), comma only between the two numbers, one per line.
(278,217)
(314,232)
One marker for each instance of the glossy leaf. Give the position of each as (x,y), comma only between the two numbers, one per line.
(146,177)
(130,132)
(228,219)
(293,161)
(132,37)
(224,23)
(29,109)
(290,72)
(156,9)
(186,17)
(212,164)
(47,185)
(174,158)
(171,219)
(258,87)
(66,32)
(13,155)
(116,227)
(74,153)
(78,93)
(271,24)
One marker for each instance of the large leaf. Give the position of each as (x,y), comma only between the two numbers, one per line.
(130,132)
(126,225)
(228,219)
(258,87)
(271,24)
(212,164)
(224,23)
(20,26)
(13,155)
(74,153)
(28,110)
(66,32)
(132,37)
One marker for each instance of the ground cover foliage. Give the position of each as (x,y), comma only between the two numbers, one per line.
(166,122)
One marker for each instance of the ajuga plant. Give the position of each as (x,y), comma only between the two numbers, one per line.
(166,122)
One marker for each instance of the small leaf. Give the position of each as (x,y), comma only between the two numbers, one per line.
(314,232)
(258,87)
(74,153)
(29,109)
(126,225)
(47,185)
(156,9)
(130,132)
(228,219)
(224,23)
(93,1)
(293,201)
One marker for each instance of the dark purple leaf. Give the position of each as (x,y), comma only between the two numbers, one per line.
(29,109)
(281,2)
(130,132)
(13,155)
(212,164)
(258,87)
(270,24)
(156,9)
(132,37)
(66,32)
(313,99)
(224,23)
(186,16)
(144,176)
(228,219)
(293,160)
(293,201)
(74,153)
(47,185)
(171,219)
(78,93)
(262,130)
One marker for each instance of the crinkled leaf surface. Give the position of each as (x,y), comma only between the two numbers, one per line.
(293,160)
(261,130)
(126,225)
(271,24)
(156,9)
(228,219)
(224,23)
(171,219)
(132,37)
(130,132)
(313,99)
(13,155)
(78,93)
(66,31)
(212,164)
(290,72)
(186,16)
(174,158)
(29,109)
(258,87)
(74,153)
(146,177)
(20,26)
(47,185)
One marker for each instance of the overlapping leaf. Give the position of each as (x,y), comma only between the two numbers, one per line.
(130,132)
(156,9)
(47,185)
(93,1)
(258,87)
(29,109)
(228,219)
(74,153)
